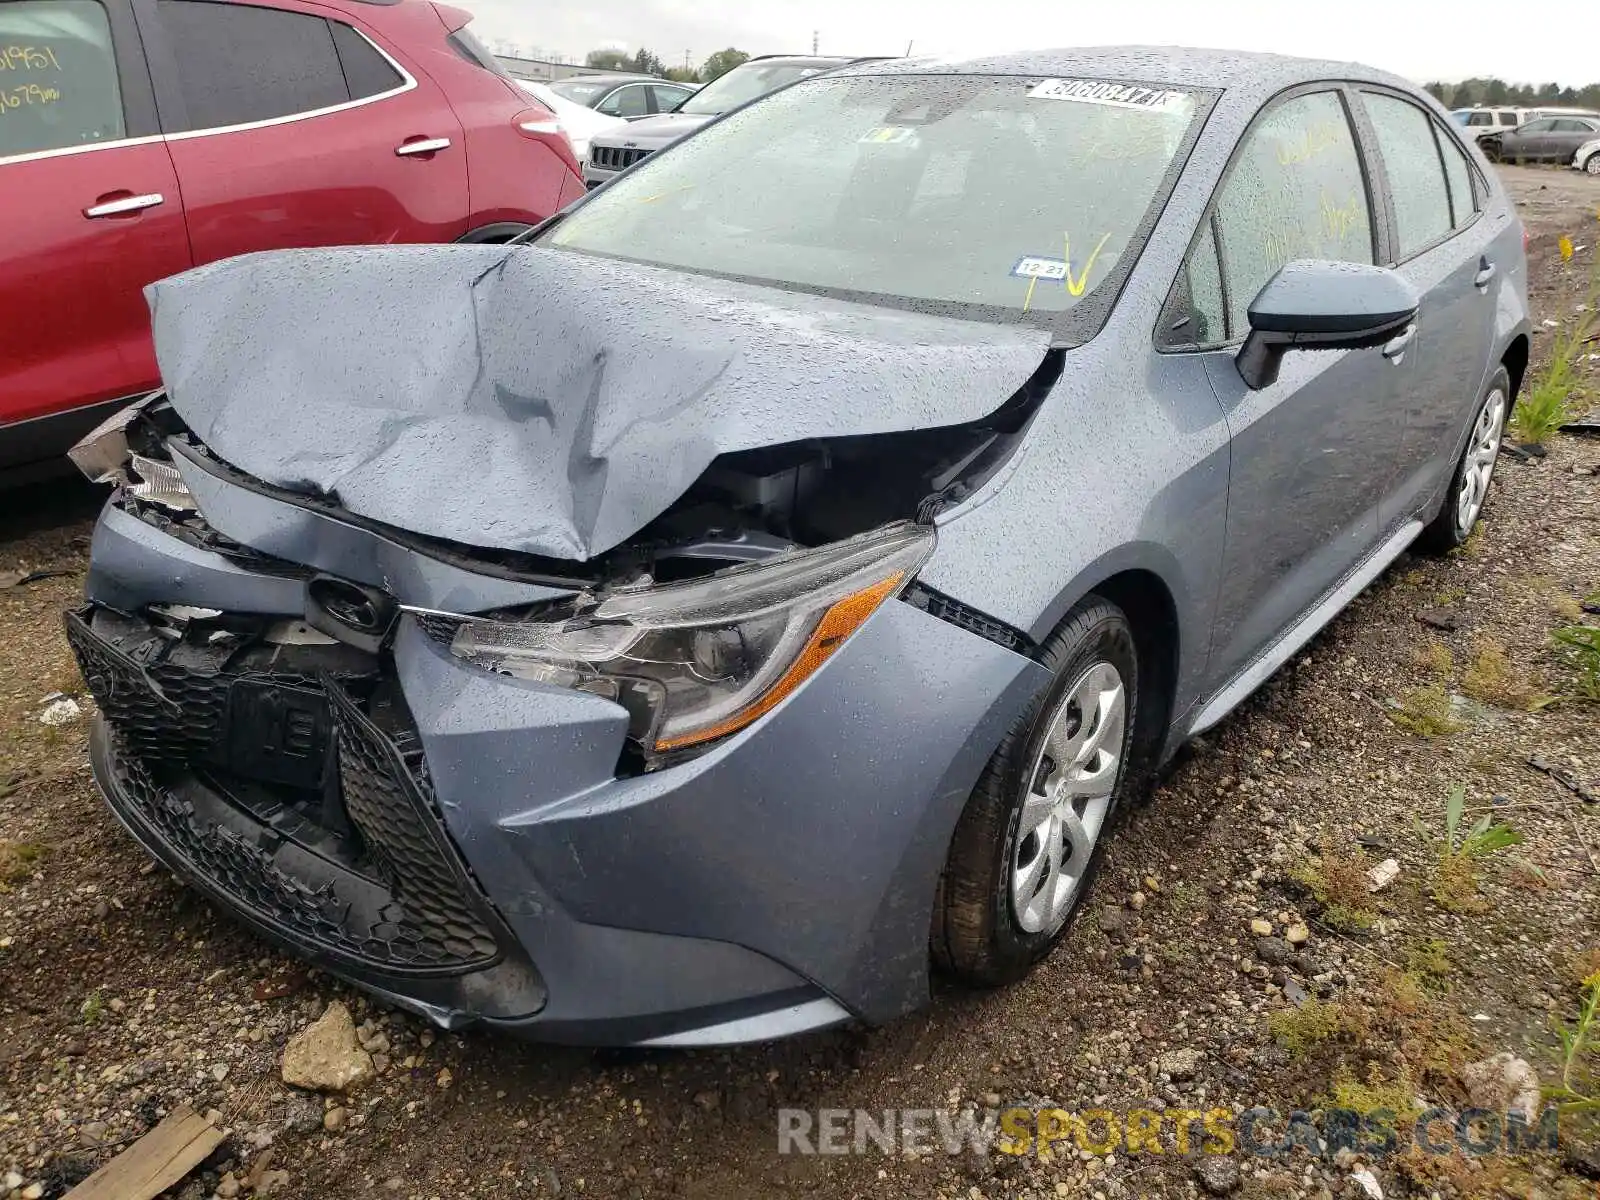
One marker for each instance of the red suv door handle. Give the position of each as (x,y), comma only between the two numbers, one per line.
(123,204)
(422,146)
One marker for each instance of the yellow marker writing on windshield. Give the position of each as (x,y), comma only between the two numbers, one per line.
(1077,286)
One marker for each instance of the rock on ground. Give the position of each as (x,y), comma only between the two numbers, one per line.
(1503,1083)
(1218,1176)
(325,1056)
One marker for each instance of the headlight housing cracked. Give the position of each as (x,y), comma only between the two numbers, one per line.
(693,662)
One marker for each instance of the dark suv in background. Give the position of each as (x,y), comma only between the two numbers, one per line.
(611,153)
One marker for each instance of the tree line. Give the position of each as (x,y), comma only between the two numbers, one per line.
(1471,92)
(644,62)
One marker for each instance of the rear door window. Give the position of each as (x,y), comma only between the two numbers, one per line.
(667,98)
(58,77)
(1508,118)
(1416,172)
(1463,201)
(239,64)
(1295,190)
(631,100)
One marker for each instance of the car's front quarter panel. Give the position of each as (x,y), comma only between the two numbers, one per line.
(1125,468)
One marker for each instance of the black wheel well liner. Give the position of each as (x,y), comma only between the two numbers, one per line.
(1153,615)
(1515,362)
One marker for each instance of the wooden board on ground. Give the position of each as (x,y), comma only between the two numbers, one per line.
(155,1162)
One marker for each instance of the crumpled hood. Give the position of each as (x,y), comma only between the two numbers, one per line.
(652,133)
(536,400)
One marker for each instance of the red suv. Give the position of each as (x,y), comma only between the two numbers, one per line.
(139,138)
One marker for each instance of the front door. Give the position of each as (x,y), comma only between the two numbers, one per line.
(91,215)
(1313,454)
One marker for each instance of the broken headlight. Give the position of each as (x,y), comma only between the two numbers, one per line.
(696,661)
(107,455)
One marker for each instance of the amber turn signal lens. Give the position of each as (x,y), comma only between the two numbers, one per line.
(837,624)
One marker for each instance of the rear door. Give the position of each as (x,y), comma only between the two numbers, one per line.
(1569,134)
(289,128)
(91,213)
(1444,245)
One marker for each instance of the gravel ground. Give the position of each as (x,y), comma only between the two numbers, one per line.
(122,995)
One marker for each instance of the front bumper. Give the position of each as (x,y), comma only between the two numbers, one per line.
(470,845)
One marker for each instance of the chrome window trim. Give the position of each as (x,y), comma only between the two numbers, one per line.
(62,151)
(408,83)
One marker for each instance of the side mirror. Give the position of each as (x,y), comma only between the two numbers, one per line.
(1312,304)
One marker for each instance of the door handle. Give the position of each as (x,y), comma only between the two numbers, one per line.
(125,206)
(425,146)
(1486,271)
(1395,348)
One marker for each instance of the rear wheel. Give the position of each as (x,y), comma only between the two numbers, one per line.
(1469,486)
(1029,841)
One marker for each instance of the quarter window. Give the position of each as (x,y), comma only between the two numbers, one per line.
(58,77)
(1416,172)
(366,72)
(1296,190)
(1196,313)
(237,64)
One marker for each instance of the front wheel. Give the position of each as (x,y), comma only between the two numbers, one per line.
(1592,164)
(1469,486)
(1028,842)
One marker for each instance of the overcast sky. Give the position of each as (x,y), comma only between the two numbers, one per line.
(1421,41)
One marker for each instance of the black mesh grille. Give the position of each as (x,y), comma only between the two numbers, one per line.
(158,712)
(393,810)
(395,897)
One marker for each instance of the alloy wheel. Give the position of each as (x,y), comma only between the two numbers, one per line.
(1482,452)
(1593,165)
(1069,790)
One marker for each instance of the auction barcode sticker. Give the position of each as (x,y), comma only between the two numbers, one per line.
(1118,95)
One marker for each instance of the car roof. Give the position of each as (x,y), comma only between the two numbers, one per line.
(803,60)
(1252,73)
(608,77)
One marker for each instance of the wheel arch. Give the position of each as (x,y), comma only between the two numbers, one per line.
(1169,632)
(1152,612)
(493,234)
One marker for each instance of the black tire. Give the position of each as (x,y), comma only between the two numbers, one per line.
(975,935)
(1446,531)
(1592,164)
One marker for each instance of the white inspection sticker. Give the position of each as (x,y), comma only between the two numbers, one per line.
(1117,95)
(1033,266)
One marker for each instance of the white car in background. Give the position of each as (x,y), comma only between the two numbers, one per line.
(580,123)
(1588,157)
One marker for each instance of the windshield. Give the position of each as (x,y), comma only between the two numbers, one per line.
(741,85)
(583,93)
(991,191)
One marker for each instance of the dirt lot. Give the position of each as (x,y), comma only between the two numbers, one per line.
(122,995)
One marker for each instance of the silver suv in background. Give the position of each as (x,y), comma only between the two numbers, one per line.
(616,152)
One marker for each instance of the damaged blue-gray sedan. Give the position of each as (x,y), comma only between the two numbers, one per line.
(768,581)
